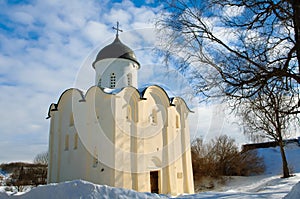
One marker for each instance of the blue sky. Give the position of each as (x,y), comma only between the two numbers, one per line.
(48,46)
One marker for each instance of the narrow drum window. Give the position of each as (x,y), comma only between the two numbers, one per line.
(112,80)
(67,142)
(129,79)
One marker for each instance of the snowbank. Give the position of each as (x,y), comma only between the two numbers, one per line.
(81,189)
(269,185)
(294,193)
(3,195)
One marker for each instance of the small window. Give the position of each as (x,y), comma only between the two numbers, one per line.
(129,79)
(67,142)
(153,117)
(179,175)
(97,114)
(112,80)
(177,122)
(76,141)
(128,114)
(71,120)
(95,158)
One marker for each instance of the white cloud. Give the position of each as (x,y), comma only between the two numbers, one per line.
(121,15)
(35,70)
(233,11)
(23,17)
(96,32)
(210,121)
(45,46)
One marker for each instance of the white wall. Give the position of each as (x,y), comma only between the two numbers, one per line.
(127,148)
(121,68)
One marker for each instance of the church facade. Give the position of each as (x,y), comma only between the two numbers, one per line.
(118,134)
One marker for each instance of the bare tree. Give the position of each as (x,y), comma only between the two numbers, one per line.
(41,158)
(236,47)
(223,150)
(263,117)
(242,50)
(221,157)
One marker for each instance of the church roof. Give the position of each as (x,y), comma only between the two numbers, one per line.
(173,101)
(116,50)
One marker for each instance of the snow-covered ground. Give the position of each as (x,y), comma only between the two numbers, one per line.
(269,185)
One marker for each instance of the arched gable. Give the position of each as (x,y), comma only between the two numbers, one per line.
(96,91)
(156,90)
(97,102)
(130,93)
(131,97)
(52,107)
(68,95)
(179,103)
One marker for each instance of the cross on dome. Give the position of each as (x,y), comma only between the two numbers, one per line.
(116,50)
(117,29)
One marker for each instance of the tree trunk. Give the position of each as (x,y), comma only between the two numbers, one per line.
(296,20)
(285,168)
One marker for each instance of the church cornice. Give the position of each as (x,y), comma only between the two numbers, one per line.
(140,93)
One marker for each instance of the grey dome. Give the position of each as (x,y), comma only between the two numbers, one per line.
(116,50)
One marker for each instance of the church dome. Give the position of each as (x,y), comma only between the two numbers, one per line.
(116,50)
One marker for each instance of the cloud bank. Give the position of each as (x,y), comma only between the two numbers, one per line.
(48,46)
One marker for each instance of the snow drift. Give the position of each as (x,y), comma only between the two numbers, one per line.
(294,193)
(269,185)
(80,189)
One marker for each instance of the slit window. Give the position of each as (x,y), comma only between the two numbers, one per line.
(95,158)
(153,117)
(129,116)
(71,120)
(67,142)
(177,122)
(76,141)
(97,114)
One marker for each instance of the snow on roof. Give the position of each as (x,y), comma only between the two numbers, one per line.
(112,90)
(169,93)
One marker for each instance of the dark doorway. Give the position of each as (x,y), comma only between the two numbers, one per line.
(154,181)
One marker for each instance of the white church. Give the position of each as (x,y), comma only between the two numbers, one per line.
(119,135)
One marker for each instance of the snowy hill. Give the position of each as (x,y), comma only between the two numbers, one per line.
(294,193)
(272,158)
(269,185)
